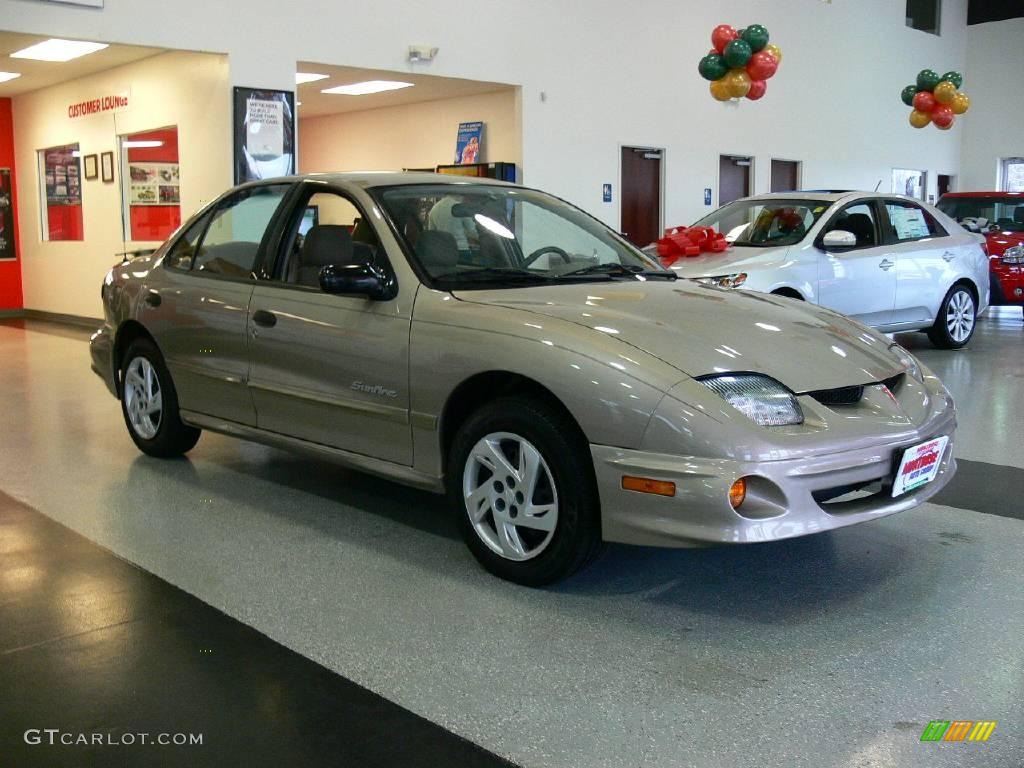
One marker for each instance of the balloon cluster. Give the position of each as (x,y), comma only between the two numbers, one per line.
(740,63)
(936,99)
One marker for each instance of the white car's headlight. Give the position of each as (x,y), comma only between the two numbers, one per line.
(1014,255)
(908,361)
(760,398)
(725,281)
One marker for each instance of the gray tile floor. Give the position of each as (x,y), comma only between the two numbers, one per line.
(834,650)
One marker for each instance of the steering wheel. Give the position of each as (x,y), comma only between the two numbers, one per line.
(547,249)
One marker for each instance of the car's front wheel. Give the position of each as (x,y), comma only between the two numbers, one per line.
(955,322)
(523,486)
(150,404)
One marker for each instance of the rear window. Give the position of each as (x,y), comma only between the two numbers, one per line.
(983,213)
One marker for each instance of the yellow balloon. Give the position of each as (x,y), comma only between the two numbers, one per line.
(720,90)
(774,50)
(738,83)
(919,119)
(945,92)
(961,104)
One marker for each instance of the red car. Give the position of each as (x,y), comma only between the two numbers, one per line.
(999,216)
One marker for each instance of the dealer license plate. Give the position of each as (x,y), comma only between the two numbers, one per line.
(919,465)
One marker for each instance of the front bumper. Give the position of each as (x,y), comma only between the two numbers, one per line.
(781,501)
(101,349)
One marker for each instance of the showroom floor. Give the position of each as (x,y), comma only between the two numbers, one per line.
(835,650)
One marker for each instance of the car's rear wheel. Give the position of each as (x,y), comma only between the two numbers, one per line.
(523,487)
(956,320)
(150,404)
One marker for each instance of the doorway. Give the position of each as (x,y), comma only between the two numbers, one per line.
(641,195)
(785,175)
(944,183)
(734,177)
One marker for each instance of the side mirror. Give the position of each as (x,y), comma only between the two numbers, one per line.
(838,240)
(357,280)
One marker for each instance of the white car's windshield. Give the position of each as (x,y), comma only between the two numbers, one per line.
(765,223)
(479,235)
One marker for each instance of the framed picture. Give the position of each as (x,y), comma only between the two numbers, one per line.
(92,168)
(264,134)
(107,166)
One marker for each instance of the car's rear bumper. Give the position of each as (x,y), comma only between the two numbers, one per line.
(101,349)
(780,502)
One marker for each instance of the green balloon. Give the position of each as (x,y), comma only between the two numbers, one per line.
(908,95)
(713,67)
(955,78)
(738,53)
(927,79)
(757,36)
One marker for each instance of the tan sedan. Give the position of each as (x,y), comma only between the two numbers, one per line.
(497,344)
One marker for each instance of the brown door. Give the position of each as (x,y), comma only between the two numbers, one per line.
(641,195)
(733,178)
(945,184)
(784,175)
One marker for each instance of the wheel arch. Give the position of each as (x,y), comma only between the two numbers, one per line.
(789,292)
(127,332)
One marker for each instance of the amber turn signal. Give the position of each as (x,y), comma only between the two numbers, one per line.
(647,485)
(738,492)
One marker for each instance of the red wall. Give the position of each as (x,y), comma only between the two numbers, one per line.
(10,271)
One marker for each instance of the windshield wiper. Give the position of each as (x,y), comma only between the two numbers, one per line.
(615,269)
(503,274)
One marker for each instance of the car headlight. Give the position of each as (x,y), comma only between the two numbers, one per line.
(1014,255)
(908,361)
(725,281)
(759,398)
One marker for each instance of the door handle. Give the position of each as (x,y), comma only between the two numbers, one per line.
(886,265)
(264,318)
(948,255)
(152,298)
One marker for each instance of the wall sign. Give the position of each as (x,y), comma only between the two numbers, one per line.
(469,143)
(707,195)
(7,247)
(111,102)
(264,128)
(606,193)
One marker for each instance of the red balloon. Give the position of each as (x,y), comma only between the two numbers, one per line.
(722,35)
(762,65)
(943,116)
(757,89)
(924,101)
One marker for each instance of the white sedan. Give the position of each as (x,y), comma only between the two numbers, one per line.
(889,261)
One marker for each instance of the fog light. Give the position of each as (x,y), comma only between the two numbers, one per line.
(738,492)
(648,485)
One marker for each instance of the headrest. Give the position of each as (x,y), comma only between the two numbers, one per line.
(438,251)
(327,244)
(1018,214)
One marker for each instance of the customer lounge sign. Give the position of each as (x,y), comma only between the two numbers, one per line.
(102,103)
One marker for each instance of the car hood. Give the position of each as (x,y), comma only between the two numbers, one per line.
(736,259)
(703,330)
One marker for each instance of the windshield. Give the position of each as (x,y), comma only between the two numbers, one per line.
(983,213)
(765,223)
(480,235)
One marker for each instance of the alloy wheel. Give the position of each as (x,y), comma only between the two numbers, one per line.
(510,496)
(143,398)
(960,316)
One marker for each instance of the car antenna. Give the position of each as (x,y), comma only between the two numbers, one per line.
(878,185)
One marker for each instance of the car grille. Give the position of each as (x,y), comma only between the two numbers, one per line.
(852,395)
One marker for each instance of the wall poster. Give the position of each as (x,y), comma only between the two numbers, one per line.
(7,247)
(154,184)
(264,128)
(908,182)
(62,169)
(469,143)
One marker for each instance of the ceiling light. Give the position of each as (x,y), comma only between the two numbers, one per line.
(129,144)
(5,76)
(308,77)
(56,49)
(370,86)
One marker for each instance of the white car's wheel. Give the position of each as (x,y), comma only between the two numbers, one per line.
(956,320)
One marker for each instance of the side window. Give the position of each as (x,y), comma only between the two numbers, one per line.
(911,222)
(858,218)
(232,241)
(330,231)
(183,251)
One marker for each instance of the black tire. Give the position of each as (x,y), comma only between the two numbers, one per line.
(576,538)
(172,437)
(940,334)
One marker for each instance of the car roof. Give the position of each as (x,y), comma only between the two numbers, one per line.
(368,179)
(985,194)
(829,196)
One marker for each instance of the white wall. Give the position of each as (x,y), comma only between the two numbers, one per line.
(994,127)
(612,73)
(187,90)
(408,136)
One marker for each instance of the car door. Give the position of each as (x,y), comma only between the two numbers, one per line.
(858,281)
(926,260)
(327,368)
(198,308)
